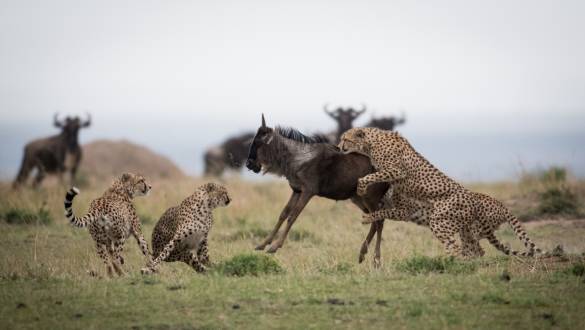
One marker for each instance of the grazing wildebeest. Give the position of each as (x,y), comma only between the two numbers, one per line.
(344,118)
(49,155)
(229,155)
(387,123)
(313,167)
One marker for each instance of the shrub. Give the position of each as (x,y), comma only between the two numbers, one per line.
(249,264)
(558,200)
(425,265)
(19,216)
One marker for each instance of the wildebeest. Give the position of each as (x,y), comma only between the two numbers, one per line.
(229,155)
(48,155)
(312,167)
(387,123)
(344,118)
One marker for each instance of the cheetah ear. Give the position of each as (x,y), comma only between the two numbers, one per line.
(126,177)
(209,187)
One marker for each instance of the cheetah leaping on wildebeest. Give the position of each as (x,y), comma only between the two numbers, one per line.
(181,233)
(423,194)
(112,219)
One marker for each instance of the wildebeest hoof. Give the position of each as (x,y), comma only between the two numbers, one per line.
(361,258)
(260,247)
(377,263)
(272,249)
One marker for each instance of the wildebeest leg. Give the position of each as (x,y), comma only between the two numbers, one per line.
(366,243)
(377,252)
(40,176)
(283,215)
(25,169)
(302,201)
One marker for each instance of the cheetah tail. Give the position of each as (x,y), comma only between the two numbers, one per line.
(78,222)
(521,234)
(503,248)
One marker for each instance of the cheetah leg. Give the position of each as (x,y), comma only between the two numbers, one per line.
(283,215)
(400,214)
(446,236)
(116,254)
(377,252)
(103,254)
(193,260)
(166,251)
(389,175)
(137,233)
(203,253)
(470,245)
(298,208)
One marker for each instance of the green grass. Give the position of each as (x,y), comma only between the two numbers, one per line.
(249,264)
(51,277)
(20,216)
(440,265)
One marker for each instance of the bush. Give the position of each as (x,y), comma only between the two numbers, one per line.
(425,265)
(558,201)
(19,216)
(249,264)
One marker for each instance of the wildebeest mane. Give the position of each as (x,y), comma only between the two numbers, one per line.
(296,135)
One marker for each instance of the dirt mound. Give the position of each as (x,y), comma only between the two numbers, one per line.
(104,159)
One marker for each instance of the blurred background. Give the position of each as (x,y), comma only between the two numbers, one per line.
(489,89)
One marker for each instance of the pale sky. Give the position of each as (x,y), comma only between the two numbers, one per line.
(181,75)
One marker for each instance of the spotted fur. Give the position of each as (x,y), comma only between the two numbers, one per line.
(112,218)
(181,233)
(423,194)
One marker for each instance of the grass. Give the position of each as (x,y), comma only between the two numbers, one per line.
(51,277)
(20,216)
(441,265)
(249,264)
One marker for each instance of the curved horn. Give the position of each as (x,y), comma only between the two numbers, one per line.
(263,121)
(362,110)
(56,121)
(402,118)
(87,123)
(329,112)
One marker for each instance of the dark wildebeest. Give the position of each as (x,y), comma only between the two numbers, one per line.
(344,118)
(387,123)
(229,155)
(313,167)
(49,155)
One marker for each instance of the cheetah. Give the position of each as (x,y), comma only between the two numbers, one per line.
(423,194)
(112,218)
(183,229)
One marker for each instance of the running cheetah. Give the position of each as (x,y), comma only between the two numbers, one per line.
(112,219)
(423,194)
(183,229)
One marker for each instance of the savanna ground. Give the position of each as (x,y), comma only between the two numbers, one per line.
(51,277)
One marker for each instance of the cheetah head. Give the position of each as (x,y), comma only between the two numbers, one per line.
(355,140)
(134,184)
(217,194)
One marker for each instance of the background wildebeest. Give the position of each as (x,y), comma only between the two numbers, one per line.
(387,123)
(49,155)
(344,119)
(231,154)
(313,167)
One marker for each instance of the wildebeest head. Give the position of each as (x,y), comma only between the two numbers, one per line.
(263,137)
(344,117)
(71,125)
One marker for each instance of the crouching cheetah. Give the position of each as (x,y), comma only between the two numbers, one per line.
(181,233)
(112,219)
(423,194)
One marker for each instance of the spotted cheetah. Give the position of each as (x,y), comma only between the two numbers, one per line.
(423,194)
(183,229)
(112,218)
